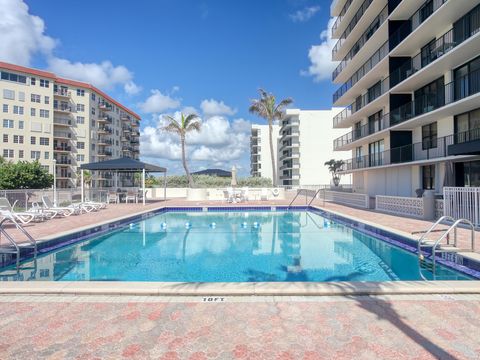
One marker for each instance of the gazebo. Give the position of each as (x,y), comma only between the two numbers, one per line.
(125,165)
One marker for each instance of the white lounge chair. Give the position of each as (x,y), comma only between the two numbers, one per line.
(62,210)
(131,195)
(113,197)
(25,217)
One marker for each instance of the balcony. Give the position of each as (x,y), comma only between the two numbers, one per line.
(62,122)
(62,93)
(65,109)
(125,138)
(104,142)
(135,123)
(62,148)
(103,118)
(105,130)
(127,148)
(104,106)
(341,16)
(454,91)
(423,151)
(63,175)
(63,135)
(127,129)
(103,153)
(64,161)
(124,117)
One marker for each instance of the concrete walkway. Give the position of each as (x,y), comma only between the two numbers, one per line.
(114,327)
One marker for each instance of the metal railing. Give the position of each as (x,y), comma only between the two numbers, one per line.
(340,16)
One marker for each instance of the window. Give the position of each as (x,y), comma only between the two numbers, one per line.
(467,127)
(47,99)
(18,139)
(428,177)
(35,98)
(5,108)
(93,111)
(46,155)
(374,122)
(33,112)
(46,168)
(35,155)
(33,140)
(44,83)
(430,97)
(80,145)
(80,157)
(429,136)
(44,113)
(93,97)
(375,91)
(467,81)
(93,123)
(44,141)
(7,124)
(80,92)
(21,125)
(5,138)
(80,107)
(21,96)
(20,154)
(7,153)
(18,110)
(375,152)
(33,81)
(80,120)
(14,77)
(8,94)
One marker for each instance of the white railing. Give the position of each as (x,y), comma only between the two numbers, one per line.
(462,203)
(347,198)
(407,206)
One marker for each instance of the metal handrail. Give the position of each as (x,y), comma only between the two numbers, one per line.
(307,192)
(429,231)
(30,239)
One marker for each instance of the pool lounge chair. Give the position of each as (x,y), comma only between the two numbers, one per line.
(131,195)
(65,210)
(24,217)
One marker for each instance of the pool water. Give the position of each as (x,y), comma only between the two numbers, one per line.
(230,247)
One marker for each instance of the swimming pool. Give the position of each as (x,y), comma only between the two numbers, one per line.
(230,246)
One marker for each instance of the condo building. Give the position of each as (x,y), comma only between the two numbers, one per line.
(304,147)
(63,123)
(408,77)
(260,154)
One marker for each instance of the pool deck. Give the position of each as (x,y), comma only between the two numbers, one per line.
(140,327)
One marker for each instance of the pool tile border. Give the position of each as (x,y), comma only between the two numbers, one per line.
(467,266)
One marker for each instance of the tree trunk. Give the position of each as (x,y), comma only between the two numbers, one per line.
(274,165)
(184,161)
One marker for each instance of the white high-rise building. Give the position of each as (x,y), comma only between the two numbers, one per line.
(409,79)
(304,147)
(260,154)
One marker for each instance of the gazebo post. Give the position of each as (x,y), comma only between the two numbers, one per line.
(165,186)
(82,185)
(143,185)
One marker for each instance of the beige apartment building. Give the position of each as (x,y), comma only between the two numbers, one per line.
(63,123)
(260,154)
(408,77)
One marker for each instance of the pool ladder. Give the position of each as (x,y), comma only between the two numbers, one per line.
(308,193)
(427,250)
(15,247)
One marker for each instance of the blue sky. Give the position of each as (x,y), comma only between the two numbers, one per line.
(184,52)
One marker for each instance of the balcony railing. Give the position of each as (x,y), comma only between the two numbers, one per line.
(63,134)
(62,148)
(426,150)
(416,20)
(372,29)
(358,15)
(456,90)
(105,118)
(104,142)
(105,129)
(64,161)
(63,108)
(62,92)
(104,106)
(60,121)
(346,6)
(364,69)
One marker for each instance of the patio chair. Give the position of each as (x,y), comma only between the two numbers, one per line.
(113,197)
(264,194)
(231,195)
(25,217)
(131,195)
(245,194)
(65,211)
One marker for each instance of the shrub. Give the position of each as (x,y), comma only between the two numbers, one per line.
(24,175)
(207,181)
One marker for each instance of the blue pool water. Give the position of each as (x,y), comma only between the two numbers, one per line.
(230,247)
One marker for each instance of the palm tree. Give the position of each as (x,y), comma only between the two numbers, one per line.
(334,166)
(267,108)
(181,127)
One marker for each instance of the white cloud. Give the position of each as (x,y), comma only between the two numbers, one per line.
(305,14)
(220,143)
(23,35)
(320,56)
(213,107)
(158,103)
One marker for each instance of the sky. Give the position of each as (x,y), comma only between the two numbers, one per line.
(170,56)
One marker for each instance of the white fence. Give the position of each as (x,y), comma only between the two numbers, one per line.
(462,203)
(438,208)
(398,205)
(346,198)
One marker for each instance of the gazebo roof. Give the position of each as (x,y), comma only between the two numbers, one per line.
(122,164)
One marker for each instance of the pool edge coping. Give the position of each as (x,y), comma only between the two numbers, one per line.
(240,289)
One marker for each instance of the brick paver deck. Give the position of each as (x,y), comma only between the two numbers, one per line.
(395,327)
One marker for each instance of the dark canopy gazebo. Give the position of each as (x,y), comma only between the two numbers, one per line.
(126,165)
